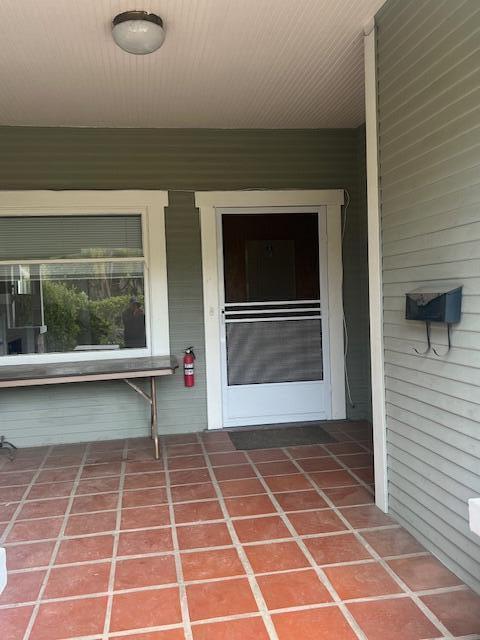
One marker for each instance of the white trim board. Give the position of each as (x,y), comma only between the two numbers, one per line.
(151,206)
(375,276)
(208,203)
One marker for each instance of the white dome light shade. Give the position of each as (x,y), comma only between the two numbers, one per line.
(138,32)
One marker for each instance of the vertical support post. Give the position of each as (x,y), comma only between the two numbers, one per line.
(211,305)
(375,274)
(335,311)
(153,413)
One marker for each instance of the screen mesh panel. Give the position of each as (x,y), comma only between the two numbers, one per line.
(274,351)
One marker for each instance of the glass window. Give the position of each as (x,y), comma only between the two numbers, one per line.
(47,308)
(271,257)
(70,284)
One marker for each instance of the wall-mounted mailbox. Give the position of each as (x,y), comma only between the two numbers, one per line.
(434,304)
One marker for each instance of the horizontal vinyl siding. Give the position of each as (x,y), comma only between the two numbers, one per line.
(177,159)
(355,291)
(181,408)
(181,161)
(428,57)
(71,413)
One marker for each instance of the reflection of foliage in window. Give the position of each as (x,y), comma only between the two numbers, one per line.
(106,320)
(73,319)
(62,306)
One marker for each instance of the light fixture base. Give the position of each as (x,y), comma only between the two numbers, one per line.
(137,15)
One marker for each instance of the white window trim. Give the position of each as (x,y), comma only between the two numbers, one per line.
(150,205)
(208,202)
(375,274)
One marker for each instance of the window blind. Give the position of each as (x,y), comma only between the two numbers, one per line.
(64,237)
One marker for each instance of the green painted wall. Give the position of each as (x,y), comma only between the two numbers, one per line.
(428,60)
(182,161)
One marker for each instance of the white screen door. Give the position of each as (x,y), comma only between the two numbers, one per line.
(274,343)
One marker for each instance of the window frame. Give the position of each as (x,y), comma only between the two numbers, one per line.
(150,205)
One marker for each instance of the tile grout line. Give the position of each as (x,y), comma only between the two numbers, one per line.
(113,475)
(357,533)
(319,605)
(116,537)
(250,574)
(162,526)
(420,592)
(170,585)
(127,491)
(351,438)
(129,633)
(320,572)
(97,512)
(187,627)
(13,519)
(174,484)
(159,528)
(404,556)
(364,484)
(429,614)
(413,595)
(119,452)
(56,548)
(420,604)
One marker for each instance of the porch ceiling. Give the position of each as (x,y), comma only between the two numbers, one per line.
(248,64)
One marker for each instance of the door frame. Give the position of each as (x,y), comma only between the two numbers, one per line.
(208,202)
(321,214)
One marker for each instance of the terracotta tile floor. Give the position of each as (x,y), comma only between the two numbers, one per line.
(210,543)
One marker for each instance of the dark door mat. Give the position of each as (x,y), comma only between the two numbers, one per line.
(273,437)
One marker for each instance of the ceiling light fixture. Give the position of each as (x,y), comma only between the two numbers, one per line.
(138,32)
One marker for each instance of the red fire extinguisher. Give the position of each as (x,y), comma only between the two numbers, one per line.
(189,367)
